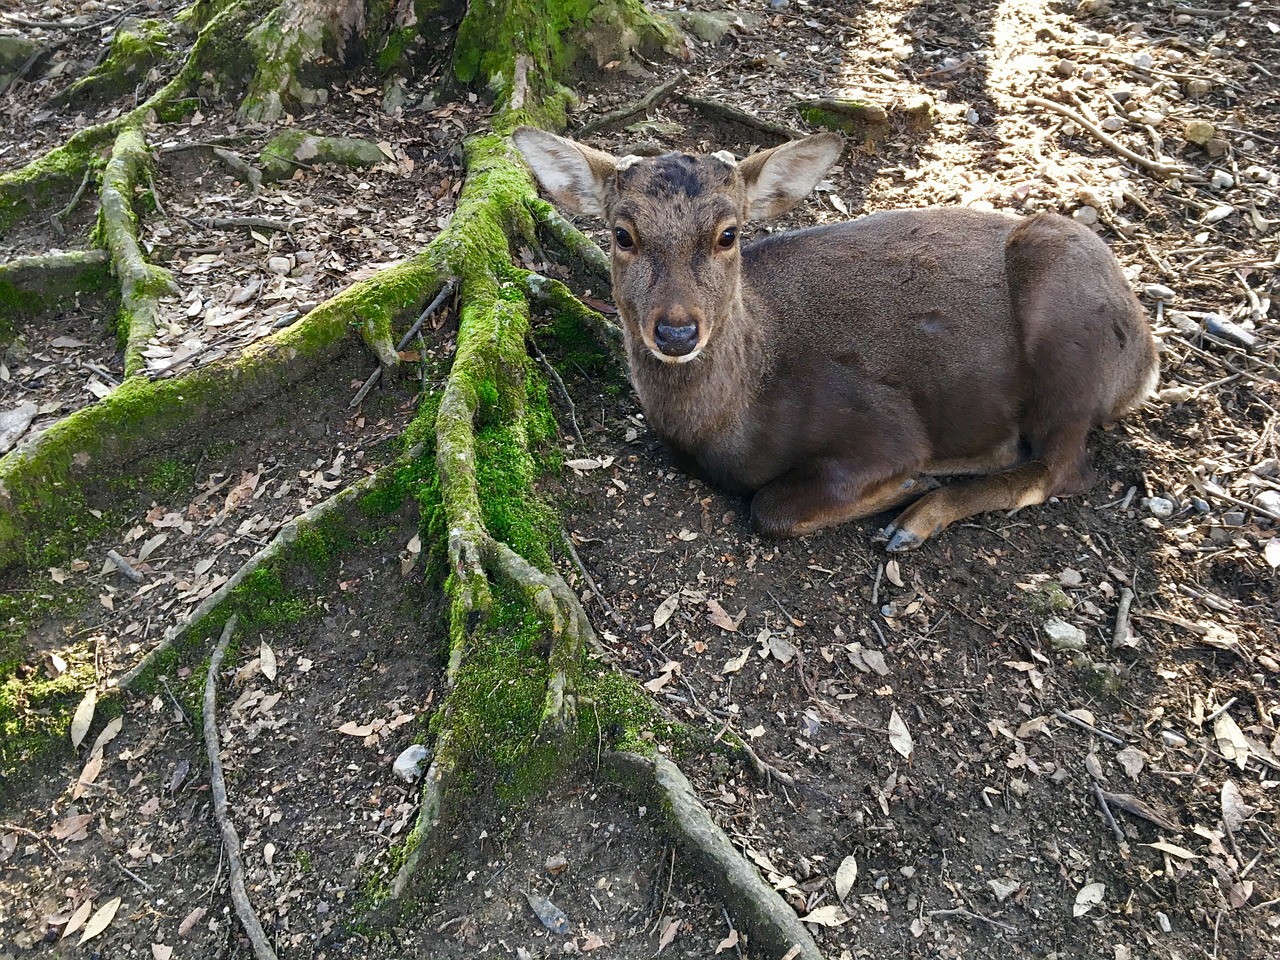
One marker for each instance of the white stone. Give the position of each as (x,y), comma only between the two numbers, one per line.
(1063,635)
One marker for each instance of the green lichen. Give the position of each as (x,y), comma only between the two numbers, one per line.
(136,47)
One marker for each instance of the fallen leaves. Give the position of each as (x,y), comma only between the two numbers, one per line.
(900,736)
(1088,896)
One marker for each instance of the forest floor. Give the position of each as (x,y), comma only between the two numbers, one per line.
(1052,734)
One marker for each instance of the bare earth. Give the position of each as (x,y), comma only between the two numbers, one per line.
(999,793)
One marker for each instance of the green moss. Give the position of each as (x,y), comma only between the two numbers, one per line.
(1048,598)
(135,48)
(169,479)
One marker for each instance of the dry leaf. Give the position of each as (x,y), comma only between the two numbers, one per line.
(109,733)
(1231,741)
(160,952)
(846,874)
(268,658)
(780,648)
(728,943)
(73,828)
(100,920)
(353,729)
(1272,551)
(720,618)
(900,736)
(1089,895)
(1133,760)
(1234,810)
(830,915)
(77,919)
(668,934)
(737,663)
(83,718)
(892,573)
(665,610)
(1172,849)
(590,941)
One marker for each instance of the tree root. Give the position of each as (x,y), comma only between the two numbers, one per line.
(143,416)
(218,787)
(273,552)
(772,925)
(141,283)
(30,286)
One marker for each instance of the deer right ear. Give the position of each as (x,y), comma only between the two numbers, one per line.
(575,176)
(778,179)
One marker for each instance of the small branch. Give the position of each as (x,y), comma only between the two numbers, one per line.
(655,96)
(571,238)
(445,293)
(1106,812)
(1122,635)
(557,296)
(1109,737)
(23,831)
(1217,493)
(962,912)
(128,569)
(555,378)
(57,218)
(591,584)
(230,223)
(1162,171)
(218,786)
(726,112)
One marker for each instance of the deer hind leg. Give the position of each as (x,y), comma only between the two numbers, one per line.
(809,499)
(1063,469)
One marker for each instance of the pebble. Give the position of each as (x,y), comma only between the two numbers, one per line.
(1173,738)
(1269,467)
(1200,506)
(1086,215)
(1158,291)
(1159,507)
(1179,394)
(1065,67)
(1219,213)
(1216,147)
(1221,180)
(1162,919)
(1113,123)
(408,765)
(1199,131)
(279,265)
(1198,88)
(1064,636)
(1182,321)
(1233,519)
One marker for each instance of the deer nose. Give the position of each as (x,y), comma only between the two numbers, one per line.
(675,340)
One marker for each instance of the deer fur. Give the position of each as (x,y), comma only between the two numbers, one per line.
(829,372)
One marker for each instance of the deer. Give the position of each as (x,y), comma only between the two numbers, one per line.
(834,373)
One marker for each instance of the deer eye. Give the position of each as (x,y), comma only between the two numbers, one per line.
(728,237)
(623,239)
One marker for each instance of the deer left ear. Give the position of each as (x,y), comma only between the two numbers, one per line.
(778,179)
(576,177)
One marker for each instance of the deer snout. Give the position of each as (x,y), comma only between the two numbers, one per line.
(676,334)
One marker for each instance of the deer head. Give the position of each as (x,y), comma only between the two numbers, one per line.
(675,222)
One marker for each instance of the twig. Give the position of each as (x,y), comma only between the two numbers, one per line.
(591,584)
(1109,737)
(1208,599)
(1122,634)
(729,923)
(14,828)
(725,112)
(131,875)
(445,293)
(1161,170)
(57,218)
(125,567)
(650,99)
(225,223)
(875,587)
(218,786)
(1106,812)
(1220,711)
(1217,493)
(962,912)
(554,376)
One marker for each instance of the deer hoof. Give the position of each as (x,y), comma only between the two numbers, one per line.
(900,541)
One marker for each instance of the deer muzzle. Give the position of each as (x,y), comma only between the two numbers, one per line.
(677,334)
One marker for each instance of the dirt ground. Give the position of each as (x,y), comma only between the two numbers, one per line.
(1051,734)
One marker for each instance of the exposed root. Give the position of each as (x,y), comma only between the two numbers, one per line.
(774,928)
(555,296)
(218,787)
(143,416)
(285,537)
(574,241)
(31,286)
(141,283)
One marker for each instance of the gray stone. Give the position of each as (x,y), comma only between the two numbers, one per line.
(1159,507)
(1233,519)
(1158,291)
(1269,500)
(14,52)
(1269,467)
(1064,636)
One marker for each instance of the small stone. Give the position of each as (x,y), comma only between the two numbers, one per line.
(1151,523)
(1197,88)
(1162,919)
(1064,636)
(1158,291)
(1219,535)
(1070,578)
(1198,131)
(1143,61)
(1086,215)
(1233,519)
(907,872)
(279,265)
(1269,467)
(1113,123)
(1216,147)
(1219,213)
(1178,394)
(408,765)
(1159,507)
(1173,738)
(1200,506)
(1182,322)
(1065,67)
(1221,180)
(1224,329)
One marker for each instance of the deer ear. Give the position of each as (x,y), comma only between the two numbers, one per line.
(780,178)
(576,177)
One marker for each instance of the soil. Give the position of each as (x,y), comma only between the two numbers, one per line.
(910,717)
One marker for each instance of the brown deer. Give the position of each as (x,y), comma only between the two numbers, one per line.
(828,371)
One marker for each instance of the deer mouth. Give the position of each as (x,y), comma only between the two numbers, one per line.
(676,342)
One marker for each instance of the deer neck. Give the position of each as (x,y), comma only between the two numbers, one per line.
(700,404)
